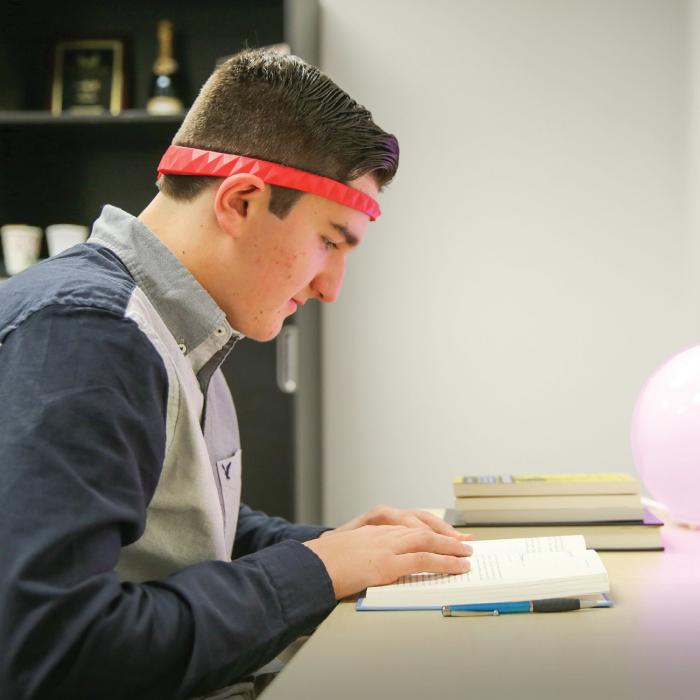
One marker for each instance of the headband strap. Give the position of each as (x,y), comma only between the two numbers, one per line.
(180,160)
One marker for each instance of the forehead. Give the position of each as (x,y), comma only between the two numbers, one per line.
(348,222)
(328,217)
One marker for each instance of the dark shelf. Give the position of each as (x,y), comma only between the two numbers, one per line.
(66,167)
(42,118)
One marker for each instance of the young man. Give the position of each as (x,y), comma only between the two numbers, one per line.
(128,565)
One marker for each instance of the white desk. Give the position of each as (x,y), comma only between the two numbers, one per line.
(646,646)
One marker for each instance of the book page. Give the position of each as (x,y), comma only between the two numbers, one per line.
(494,569)
(500,577)
(530,545)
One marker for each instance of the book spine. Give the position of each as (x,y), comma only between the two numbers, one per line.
(544,488)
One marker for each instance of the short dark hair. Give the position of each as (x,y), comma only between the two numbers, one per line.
(274,107)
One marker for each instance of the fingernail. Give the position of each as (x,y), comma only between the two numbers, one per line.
(468,547)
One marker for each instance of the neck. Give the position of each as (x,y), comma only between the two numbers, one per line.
(185,229)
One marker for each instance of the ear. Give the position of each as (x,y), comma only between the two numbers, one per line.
(236,197)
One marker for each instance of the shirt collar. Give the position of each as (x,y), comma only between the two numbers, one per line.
(195,320)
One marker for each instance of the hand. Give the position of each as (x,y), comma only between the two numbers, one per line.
(386,515)
(373,555)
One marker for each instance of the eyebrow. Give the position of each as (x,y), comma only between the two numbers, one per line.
(350,238)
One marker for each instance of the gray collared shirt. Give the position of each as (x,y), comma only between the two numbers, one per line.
(193,318)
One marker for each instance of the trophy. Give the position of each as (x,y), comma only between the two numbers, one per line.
(88,77)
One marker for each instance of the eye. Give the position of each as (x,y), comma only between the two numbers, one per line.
(328,244)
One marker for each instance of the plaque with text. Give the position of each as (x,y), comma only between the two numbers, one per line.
(88,77)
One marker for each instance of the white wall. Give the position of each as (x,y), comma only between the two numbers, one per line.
(532,264)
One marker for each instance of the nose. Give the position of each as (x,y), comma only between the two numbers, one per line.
(329,281)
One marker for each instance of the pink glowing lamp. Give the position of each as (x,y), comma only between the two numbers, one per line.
(665,436)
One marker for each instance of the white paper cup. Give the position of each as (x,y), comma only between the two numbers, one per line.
(60,237)
(20,246)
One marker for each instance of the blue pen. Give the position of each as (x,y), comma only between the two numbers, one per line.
(526,606)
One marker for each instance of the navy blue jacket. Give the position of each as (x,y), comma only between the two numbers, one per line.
(120,487)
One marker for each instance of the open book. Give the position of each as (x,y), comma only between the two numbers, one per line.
(523,569)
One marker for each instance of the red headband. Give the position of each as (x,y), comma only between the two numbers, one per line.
(180,160)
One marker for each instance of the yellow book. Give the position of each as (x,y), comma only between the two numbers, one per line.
(565,484)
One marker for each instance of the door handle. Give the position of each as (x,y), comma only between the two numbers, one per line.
(287,359)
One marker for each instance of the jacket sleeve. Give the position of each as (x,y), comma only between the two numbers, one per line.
(256,530)
(82,432)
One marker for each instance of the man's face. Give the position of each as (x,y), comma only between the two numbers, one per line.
(282,263)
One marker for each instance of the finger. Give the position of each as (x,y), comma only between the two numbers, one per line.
(424,540)
(385,515)
(428,562)
(353,524)
(409,519)
(437,524)
(383,529)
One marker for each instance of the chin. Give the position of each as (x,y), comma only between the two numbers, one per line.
(254,328)
(263,335)
(263,338)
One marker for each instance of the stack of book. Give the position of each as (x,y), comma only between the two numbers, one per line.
(604,507)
